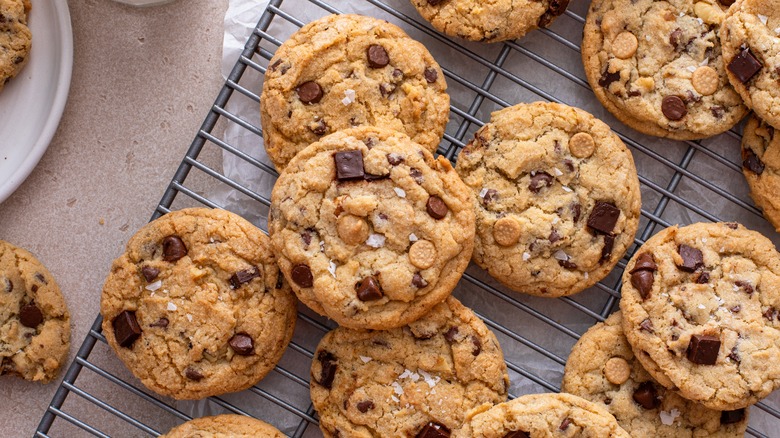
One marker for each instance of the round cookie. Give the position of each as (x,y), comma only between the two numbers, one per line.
(658,67)
(34,321)
(557,198)
(478,20)
(700,310)
(544,415)
(15,38)
(602,368)
(196,305)
(417,380)
(370,229)
(761,166)
(343,71)
(224,426)
(750,37)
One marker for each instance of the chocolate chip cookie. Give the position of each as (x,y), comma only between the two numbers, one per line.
(492,21)
(196,305)
(15,38)
(34,321)
(343,71)
(602,368)
(544,415)
(750,37)
(224,426)
(658,67)
(370,229)
(700,310)
(761,166)
(420,380)
(556,197)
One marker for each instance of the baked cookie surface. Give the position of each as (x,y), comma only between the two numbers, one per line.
(34,320)
(410,381)
(343,71)
(556,197)
(224,426)
(492,21)
(657,66)
(761,166)
(15,38)
(370,229)
(196,305)
(700,310)
(602,368)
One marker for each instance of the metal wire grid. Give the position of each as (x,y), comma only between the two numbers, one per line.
(674,185)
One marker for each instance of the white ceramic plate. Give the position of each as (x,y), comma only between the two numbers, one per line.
(31,104)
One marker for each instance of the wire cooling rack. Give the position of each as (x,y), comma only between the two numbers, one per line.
(681,182)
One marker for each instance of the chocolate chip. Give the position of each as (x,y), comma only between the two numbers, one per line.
(126,328)
(450,334)
(377,56)
(275,64)
(703,349)
(554,236)
(647,396)
(149,273)
(752,162)
(717,111)
(726,2)
(242,344)
(745,286)
(745,65)
(556,8)
(477,345)
(30,315)
(369,289)
(692,258)
(735,309)
(568,264)
(18,59)
(703,277)
(540,180)
(434,430)
(244,276)
(365,406)
(673,107)
(489,196)
(173,248)
(319,128)
(436,207)
(608,78)
(576,212)
(398,74)
(431,75)
(416,175)
(329,365)
(309,92)
(517,434)
(349,165)
(565,423)
(372,177)
(435,2)
(647,325)
(770,313)
(675,38)
(734,355)
(8,285)
(644,262)
(34,288)
(730,417)
(193,374)
(161,323)
(603,217)
(386,89)
(418,281)
(301,275)
(607,401)
(41,278)
(606,250)
(394,159)
(732,225)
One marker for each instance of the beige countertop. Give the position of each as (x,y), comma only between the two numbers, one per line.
(143,80)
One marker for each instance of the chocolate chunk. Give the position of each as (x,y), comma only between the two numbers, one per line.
(436,207)
(173,248)
(607,401)
(193,374)
(603,217)
(703,277)
(732,225)
(450,334)
(734,355)
(675,38)
(349,165)
(126,328)
(377,56)
(770,313)
(745,286)
(608,78)
(703,349)
(8,285)
(539,180)
(431,75)
(730,417)
(34,288)
(275,64)
(606,250)
(489,196)
(320,128)
(735,309)
(369,289)
(435,2)
(416,175)
(554,236)
(418,281)
(556,8)
(565,423)
(477,345)
(752,162)
(717,111)
(576,212)
(394,159)
(30,315)
(673,107)
(242,344)
(149,273)
(726,3)
(309,92)
(517,434)
(568,264)
(745,65)
(244,276)
(645,262)
(41,278)
(279,280)
(365,406)
(329,365)
(692,258)
(647,396)
(161,323)
(434,430)
(301,275)
(386,89)
(647,325)
(372,177)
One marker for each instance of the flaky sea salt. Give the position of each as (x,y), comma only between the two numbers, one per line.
(397,389)
(763,18)
(430,380)
(704,62)
(560,255)
(172,307)
(555,220)
(349,96)
(526,256)
(413,238)
(777,30)
(375,240)
(322,246)
(332,268)
(365,359)
(394,398)
(691,68)
(483,192)
(667,418)
(557,171)
(154,286)
(567,189)
(701,306)
(400,192)
(189,317)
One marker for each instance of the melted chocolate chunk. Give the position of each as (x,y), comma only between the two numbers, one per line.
(692,258)
(565,423)
(30,315)
(149,273)
(477,345)
(745,286)
(608,78)
(603,217)
(647,396)
(539,181)
(349,165)
(606,250)
(8,285)
(394,159)
(320,128)
(751,162)
(647,326)
(734,355)
(193,374)
(329,365)
(489,196)
(643,282)
(418,281)
(745,65)
(244,276)
(242,344)
(301,275)
(554,236)
(161,323)
(770,313)
(730,417)
(436,207)
(126,328)
(450,334)
(365,406)
(435,2)
(309,92)
(556,8)
(735,309)
(517,434)
(576,212)
(173,248)
(673,107)
(377,56)
(369,289)
(567,264)
(645,262)
(416,175)
(434,430)
(676,38)
(703,349)
(431,75)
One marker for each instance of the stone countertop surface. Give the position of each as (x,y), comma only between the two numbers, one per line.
(143,80)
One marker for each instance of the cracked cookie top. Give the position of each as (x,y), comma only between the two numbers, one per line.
(761,166)
(556,197)
(196,305)
(224,426)
(343,71)
(657,66)
(370,229)
(424,379)
(700,310)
